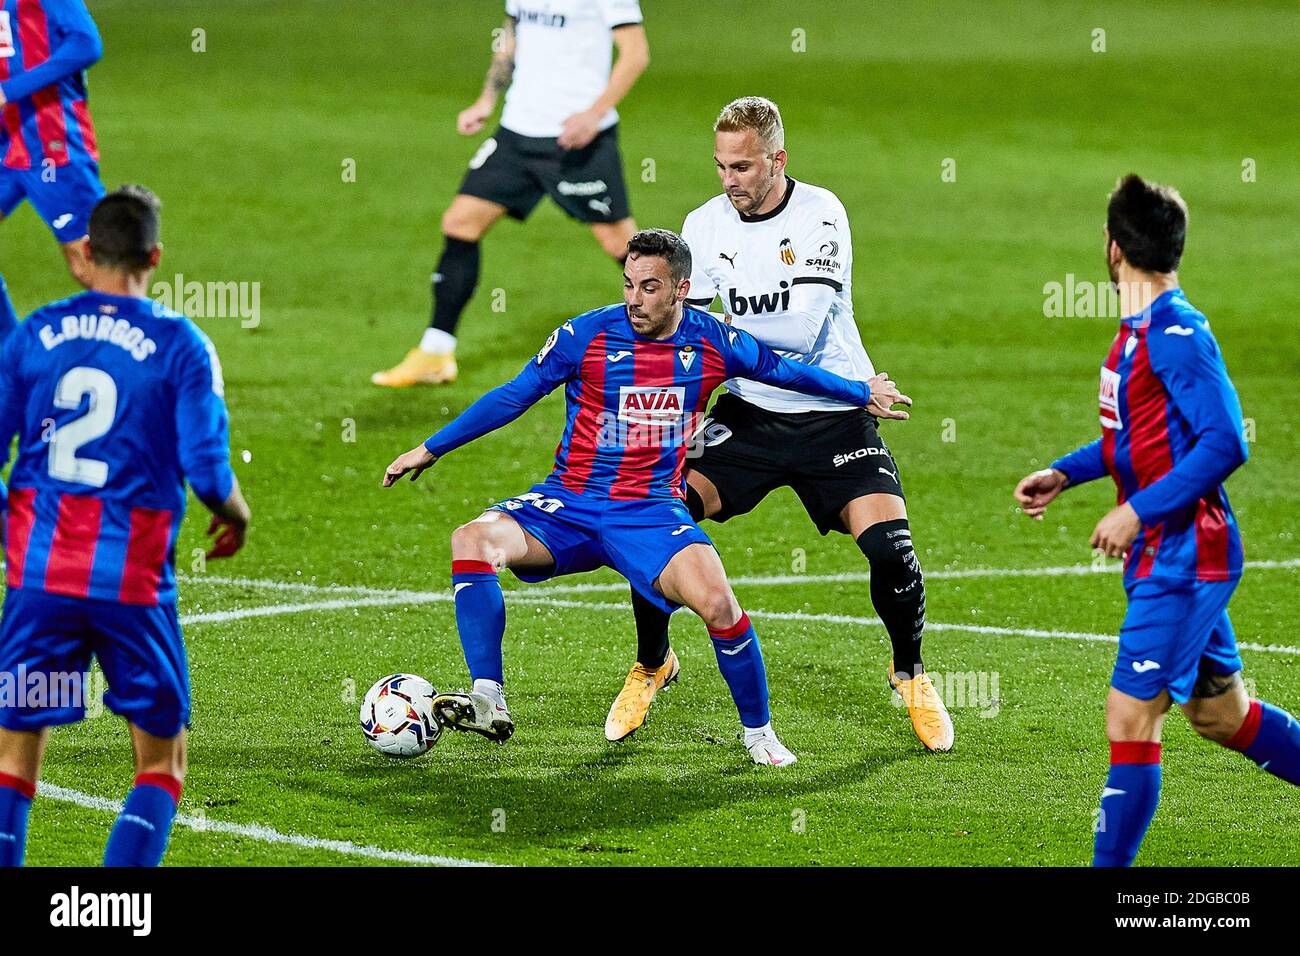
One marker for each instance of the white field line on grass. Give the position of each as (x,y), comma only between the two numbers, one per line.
(1069,570)
(541,596)
(262,834)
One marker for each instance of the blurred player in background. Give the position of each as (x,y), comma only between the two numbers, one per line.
(558,137)
(117,403)
(1171,434)
(779,255)
(47,140)
(637,378)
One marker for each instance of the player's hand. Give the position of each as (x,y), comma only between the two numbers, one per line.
(578,130)
(884,396)
(470,121)
(1035,492)
(1114,533)
(414,461)
(229,537)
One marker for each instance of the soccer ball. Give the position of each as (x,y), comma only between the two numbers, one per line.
(397,716)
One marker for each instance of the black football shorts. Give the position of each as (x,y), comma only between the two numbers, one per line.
(828,458)
(517,171)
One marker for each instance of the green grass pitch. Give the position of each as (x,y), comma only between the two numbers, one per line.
(247,144)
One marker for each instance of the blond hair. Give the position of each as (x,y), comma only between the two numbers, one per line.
(756,113)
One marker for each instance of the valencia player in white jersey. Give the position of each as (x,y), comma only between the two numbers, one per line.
(558,137)
(778,255)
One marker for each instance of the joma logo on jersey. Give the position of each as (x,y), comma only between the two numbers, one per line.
(755,304)
(1108,397)
(650,405)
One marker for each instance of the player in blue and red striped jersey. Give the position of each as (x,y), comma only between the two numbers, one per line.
(637,379)
(47,139)
(117,403)
(1171,435)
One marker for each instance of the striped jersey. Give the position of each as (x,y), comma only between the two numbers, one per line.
(117,403)
(1171,433)
(634,404)
(45,48)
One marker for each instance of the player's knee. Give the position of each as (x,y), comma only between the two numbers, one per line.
(457,224)
(1128,725)
(719,610)
(470,542)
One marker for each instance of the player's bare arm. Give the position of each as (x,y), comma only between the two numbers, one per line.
(633,58)
(471,120)
(229,524)
(1039,489)
(884,396)
(413,462)
(1116,531)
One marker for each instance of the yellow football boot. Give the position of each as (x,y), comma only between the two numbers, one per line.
(418,368)
(633,701)
(929,716)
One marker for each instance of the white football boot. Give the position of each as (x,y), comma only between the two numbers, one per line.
(481,713)
(766,749)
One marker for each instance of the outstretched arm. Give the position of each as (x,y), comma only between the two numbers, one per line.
(554,364)
(76,46)
(747,357)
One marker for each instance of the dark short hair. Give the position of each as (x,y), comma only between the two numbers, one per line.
(667,245)
(124,228)
(1148,222)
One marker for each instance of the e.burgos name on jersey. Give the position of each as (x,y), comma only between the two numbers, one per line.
(101,328)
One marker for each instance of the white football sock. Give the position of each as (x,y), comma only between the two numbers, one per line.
(490,688)
(437,342)
(756,733)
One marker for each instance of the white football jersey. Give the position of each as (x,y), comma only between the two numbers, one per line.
(752,262)
(564,50)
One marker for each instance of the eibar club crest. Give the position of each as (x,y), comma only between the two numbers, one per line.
(687,357)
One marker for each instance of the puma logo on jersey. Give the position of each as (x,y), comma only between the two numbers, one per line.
(731,259)
(757,304)
(886,471)
(601,206)
(831,223)
(619,355)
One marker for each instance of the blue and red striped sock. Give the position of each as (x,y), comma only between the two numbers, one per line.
(1271,738)
(15,804)
(480,618)
(741,663)
(1128,802)
(140,835)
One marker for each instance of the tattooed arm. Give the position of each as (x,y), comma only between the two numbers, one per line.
(470,121)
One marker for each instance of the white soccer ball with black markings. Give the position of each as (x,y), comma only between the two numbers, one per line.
(397,716)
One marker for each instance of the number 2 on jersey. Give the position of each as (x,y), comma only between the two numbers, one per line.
(75,385)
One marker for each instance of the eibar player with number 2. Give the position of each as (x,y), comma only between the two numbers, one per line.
(779,255)
(637,378)
(117,403)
